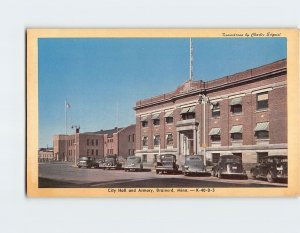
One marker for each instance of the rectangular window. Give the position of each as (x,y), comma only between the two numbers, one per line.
(92,142)
(261,155)
(262,134)
(215,157)
(132,137)
(129,152)
(156,122)
(262,101)
(88,142)
(96,152)
(129,138)
(144,158)
(145,141)
(236,136)
(215,138)
(92,152)
(236,108)
(238,154)
(187,116)
(156,140)
(169,120)
(144,123)
(215,112)
(169,139)
(88,152)
(96,142)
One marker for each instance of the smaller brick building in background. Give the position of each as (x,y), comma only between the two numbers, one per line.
(117,141)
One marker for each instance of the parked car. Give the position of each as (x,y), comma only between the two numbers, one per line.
(229,165)
(194,164)
(272,168)
(166,163)
(87,162)
(101,163)
(111,162)
(133,163)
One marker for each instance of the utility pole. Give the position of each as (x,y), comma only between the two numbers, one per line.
(203,100)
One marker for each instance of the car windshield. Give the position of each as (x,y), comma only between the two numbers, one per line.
(167,158)
(280,160)
(109,159)
(84,159)
(133,159)
(231,160)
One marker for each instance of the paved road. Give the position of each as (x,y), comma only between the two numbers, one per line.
(64,175)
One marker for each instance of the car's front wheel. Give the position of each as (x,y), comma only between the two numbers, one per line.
(219,175)
(269,177)
(253,175)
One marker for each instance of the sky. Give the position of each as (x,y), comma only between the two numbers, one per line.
(102,78)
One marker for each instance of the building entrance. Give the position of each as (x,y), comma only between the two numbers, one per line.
(187,142)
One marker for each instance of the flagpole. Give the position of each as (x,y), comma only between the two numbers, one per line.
(66,128)
(66,148)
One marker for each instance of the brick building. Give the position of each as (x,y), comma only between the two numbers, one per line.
(95,144)
(243,114)
(45,154)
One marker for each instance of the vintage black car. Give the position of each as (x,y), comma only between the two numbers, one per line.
(271,168)
(166,163)
(87,162)
(194,164)
(111,162)
(101,163)
(229,165)
(133,163)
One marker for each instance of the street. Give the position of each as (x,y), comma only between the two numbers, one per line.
(65,175)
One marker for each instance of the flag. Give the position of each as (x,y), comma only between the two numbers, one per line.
(68,105)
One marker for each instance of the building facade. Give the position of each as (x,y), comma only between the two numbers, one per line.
(95,144)
(45,155)
(243,114)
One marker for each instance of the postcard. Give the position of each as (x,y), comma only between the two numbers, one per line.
(162,112)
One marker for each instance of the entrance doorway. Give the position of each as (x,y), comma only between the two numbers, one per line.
(187,142)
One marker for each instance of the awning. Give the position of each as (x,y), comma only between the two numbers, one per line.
(184,110)
(263,96)
(192,109)
(169,114)
(188,109)
(236,129)
(144,118)
(236,101)
(155,116)
(262,126)
(215,131)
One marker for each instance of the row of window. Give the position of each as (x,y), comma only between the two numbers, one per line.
(131,151)
(156,140)
(71,142)
(92,142)
(236,107)
(131,138)
(110,140)
(92,152)
(261,132)
(110,151)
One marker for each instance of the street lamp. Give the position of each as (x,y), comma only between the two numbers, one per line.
(77,128)
(203,99)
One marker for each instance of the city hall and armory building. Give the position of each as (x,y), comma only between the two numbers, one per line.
(244,114)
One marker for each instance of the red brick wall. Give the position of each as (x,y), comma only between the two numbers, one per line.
(124,143)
